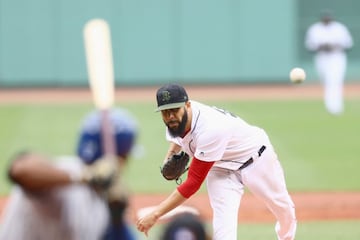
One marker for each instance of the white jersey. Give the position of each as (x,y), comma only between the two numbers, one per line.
(74,212)
(217,135)
(334,33)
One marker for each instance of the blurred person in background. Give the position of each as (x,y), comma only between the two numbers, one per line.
(185,226)
(329,40)
(72,197)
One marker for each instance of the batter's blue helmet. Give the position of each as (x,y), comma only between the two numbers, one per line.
(89,146)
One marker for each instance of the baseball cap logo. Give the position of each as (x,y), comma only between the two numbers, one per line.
(166,96)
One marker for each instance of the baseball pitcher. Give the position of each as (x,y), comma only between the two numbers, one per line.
(231,155)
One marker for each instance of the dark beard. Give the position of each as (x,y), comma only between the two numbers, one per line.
(180,130)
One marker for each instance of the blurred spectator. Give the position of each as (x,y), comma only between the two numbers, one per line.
(329,40)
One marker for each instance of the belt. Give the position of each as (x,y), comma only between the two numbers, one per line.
(251,160)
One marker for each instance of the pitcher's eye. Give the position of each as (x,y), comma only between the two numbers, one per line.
(170,111)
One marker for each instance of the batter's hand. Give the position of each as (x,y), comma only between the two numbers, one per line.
(102,173)
(145,223)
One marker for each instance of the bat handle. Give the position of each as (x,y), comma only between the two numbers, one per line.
(107,132)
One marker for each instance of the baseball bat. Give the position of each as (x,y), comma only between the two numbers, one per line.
(99,59)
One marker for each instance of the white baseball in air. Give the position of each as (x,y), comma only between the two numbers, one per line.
(297,75)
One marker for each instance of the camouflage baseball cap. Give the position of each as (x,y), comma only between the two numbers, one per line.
(171,96)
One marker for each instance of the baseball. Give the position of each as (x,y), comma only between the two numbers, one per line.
(297,75)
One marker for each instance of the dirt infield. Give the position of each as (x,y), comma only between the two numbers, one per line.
(309,206)
(131,94)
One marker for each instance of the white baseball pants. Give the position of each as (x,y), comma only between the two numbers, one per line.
(331,68)
(265,179)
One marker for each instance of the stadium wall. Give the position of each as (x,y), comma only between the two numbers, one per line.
(202,41)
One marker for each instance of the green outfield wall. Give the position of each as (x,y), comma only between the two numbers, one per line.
(189,41)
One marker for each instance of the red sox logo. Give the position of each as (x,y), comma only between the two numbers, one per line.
(166,96)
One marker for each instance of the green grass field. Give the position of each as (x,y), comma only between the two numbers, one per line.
(318,151)
(334,230)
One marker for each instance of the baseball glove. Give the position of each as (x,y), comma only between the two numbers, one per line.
(175,166)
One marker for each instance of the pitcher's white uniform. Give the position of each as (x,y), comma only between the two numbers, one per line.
(72,212)
(217,135)
(330,65)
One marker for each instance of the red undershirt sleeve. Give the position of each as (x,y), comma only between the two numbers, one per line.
(197,172)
